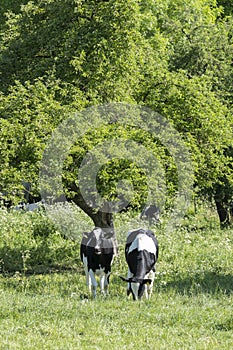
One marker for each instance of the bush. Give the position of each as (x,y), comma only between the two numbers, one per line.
(30,242)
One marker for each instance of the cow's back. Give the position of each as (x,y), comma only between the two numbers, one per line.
(141,251)
(149,243)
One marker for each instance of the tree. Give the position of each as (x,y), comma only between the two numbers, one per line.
(89,44)
(173,56)
(226,7)
(28,116)
(195,91)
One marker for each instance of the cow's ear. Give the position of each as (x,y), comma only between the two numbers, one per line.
(86,234)
(125,279)
(147,281)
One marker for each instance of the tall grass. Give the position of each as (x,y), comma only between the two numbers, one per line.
(44,300)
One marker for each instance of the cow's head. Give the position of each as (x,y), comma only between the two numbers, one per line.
(136,286)
(98,239)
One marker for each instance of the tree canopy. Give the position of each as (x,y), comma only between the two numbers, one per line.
(175,57)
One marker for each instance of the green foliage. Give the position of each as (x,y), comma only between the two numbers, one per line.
(7,6)
(28,116)
(31,243)
(121,167)
(226,7)
(172,56)
(203,120)
(86,43)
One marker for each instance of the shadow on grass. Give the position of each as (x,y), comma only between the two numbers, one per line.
(205,282)
(37,260)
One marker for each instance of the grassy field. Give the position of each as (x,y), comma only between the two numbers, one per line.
(44,302)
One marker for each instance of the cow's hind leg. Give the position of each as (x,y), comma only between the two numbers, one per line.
(106,282)
(129,275)
(149,287)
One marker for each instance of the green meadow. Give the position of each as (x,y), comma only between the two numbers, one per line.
(44,300)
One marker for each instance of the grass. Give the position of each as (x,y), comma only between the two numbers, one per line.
(44,303)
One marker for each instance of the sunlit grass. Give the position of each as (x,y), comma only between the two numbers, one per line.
(45,305)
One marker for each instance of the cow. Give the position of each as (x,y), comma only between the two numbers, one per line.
(35,206)
(22,206)
(151,213)
(97,252)
(141,253)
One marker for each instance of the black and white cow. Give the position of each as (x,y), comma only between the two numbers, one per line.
(141,252)
(22,206)
(97,251)
(151,213)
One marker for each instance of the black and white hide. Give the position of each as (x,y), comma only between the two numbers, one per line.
(151,213)
(97,251)
(29,206)
(141,253)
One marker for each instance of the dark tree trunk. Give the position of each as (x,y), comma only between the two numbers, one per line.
(103,219)
(223,213)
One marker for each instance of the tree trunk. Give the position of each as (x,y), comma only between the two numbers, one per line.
(102,219)
(223,213)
